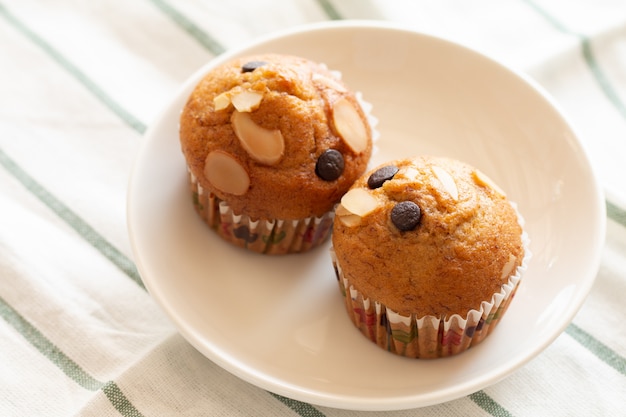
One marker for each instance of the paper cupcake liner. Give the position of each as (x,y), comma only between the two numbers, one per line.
(429,336)
(269,236)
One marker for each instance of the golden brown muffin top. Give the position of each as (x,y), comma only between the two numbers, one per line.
(269,133)
(446,257)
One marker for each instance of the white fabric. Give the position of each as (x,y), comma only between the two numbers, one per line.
(79,84)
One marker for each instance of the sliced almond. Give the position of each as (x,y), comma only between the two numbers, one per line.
(263,145)
(329,82)
(447,181)
(346,217)
(359,201)
(508,267)
(349,125)
(221,101)
(410,173)
(336,74)
(246,101)
(226,173)
(484,181)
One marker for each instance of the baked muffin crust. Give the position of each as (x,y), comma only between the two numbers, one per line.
(304,111)
(463,248)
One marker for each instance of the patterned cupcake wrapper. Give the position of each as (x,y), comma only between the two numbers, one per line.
(269,236)
(429,336)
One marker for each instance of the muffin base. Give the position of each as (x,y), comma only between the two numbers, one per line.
(266,236)
(427,337)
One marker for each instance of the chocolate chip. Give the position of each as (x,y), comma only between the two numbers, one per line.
(381,175)
(406,216)
(329,165)
(252,65)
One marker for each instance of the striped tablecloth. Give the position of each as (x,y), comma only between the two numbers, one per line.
(79,83)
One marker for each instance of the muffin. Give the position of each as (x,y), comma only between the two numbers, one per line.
(428,252)
(272,142)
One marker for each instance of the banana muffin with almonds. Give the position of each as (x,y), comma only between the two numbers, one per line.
(272,142)
(428,252)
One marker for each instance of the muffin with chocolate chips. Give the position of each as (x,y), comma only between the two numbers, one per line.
(272,142)
(428,252)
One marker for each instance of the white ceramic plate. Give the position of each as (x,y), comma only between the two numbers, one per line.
(279,322)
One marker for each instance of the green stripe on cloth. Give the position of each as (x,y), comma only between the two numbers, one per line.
(615,213)
(587,52)
(119,400)
(489,405)
(303,409)
(104,98)
(65,363)
(329,9)
(188,26)
(82,378)
(603,352)
(600,77)
(480,398)
(72,219)
(47,348)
